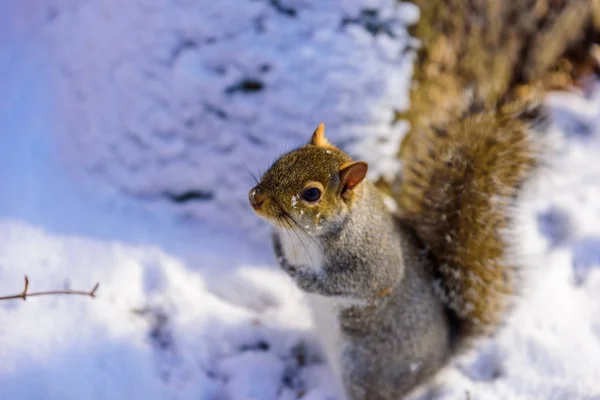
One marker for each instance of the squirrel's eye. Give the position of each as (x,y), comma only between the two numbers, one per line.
(311,194)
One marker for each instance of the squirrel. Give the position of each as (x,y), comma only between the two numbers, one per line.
(397,294)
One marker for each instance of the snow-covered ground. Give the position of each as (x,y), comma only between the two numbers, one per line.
(127,132)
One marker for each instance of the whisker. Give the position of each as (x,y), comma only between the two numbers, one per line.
(305,248)
(302,229)
(290,218)
(254,178)
(287,231)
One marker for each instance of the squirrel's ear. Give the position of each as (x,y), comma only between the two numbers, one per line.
(318,137)
(351,174)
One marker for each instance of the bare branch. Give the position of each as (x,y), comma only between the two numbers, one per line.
(25,294)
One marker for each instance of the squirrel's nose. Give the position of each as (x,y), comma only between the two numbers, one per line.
(256,199)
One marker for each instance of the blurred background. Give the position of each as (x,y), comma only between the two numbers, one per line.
(130,131)
(174,103)
(130,134)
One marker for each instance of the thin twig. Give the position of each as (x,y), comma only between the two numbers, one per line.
(24,294)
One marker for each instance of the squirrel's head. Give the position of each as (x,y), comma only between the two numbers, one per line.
(311,188)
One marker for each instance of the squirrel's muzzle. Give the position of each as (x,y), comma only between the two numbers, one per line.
(257,200)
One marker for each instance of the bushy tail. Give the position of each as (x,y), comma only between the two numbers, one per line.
(457,186)
(465,158)
(497,51)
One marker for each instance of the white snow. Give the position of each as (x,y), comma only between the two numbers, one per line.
(152,98)
(111,111)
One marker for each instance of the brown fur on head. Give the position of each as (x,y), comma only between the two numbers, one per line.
(310,188)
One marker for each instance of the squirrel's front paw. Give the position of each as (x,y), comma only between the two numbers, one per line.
(307,281)
(304,278)
(288,268)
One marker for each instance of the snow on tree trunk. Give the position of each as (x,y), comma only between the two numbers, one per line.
(177,101)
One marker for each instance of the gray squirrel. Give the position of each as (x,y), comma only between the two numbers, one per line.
(396,295)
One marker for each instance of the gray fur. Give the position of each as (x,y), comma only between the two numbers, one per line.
(399,333)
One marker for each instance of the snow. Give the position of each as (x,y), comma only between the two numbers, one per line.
(156,329)
(160,100)
(128,132)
